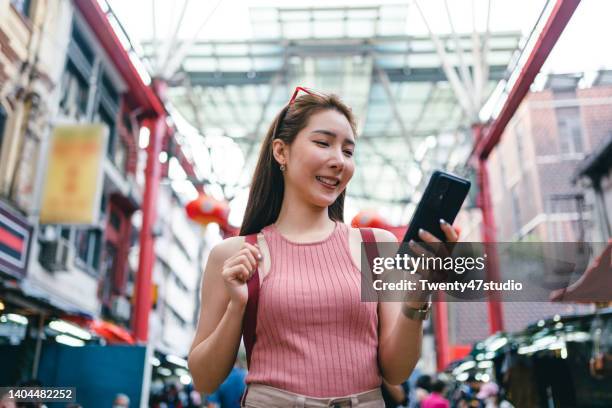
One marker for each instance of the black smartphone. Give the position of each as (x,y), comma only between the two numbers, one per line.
(442,199)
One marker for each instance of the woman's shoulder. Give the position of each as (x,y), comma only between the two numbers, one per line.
(226,248)
(381,235)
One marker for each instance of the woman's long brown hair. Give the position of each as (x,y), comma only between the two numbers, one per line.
(268,186)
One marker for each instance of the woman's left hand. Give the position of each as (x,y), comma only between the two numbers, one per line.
(440,248)
(450,233)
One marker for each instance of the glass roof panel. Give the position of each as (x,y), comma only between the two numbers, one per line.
(235,64)
(263,64)
(292,16)
(424,60)
(327,15)
(297,29)
(267,31)
(356,29)
(380,59)
(233,49)
(325,28)
(363,14)
(202,64)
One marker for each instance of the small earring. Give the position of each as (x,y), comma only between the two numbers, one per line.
(282,167)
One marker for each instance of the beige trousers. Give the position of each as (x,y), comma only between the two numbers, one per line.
(264,396)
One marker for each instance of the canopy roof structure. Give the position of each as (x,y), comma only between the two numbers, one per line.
(415,93)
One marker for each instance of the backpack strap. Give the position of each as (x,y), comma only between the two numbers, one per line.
(249,320)
(367,236)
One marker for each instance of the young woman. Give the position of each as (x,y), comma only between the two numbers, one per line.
(317,343)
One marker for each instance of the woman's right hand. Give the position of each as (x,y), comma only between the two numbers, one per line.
(237,270)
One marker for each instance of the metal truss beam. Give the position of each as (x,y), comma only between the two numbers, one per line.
(242,78)
(345,42)
(386,83)
(466,75)
(388,161)
(465,99)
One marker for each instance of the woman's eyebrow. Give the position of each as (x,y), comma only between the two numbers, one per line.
(332,134)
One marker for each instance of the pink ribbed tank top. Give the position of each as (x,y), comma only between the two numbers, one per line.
(314,335)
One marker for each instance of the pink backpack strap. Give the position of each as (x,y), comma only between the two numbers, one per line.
(367,235)
(249,322)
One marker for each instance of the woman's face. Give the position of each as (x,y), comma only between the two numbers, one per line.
(320,160)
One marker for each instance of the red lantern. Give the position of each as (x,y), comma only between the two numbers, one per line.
(369,219)
(205,210)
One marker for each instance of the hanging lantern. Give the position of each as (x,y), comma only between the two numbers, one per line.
(206,209)
(369,219)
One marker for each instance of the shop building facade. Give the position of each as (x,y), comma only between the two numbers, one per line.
(56,69)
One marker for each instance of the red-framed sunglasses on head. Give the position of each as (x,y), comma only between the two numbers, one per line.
(284,112)
(303,89)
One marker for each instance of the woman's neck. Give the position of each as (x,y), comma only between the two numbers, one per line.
(301,220)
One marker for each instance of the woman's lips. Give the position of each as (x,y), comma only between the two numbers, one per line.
(328,183)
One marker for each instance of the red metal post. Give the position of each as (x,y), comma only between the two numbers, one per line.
(157,128)
(440,321)
(138,97)
(558,19)
(496,321)
(485,140)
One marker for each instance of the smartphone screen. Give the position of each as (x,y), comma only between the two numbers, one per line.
(442,199)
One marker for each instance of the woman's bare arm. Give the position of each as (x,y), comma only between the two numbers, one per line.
(400,338)
(217,339)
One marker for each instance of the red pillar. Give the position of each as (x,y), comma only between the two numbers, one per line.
(440,321)
(557,21)
(157,129)
(496,322)
(485,142)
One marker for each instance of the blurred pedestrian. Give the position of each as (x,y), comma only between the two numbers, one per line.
(195,399)
(121,401)
(436,399)
(490,396)
(6,402)
(230,391)
(172,398)
(422,388)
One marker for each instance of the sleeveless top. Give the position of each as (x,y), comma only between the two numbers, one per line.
(314,334)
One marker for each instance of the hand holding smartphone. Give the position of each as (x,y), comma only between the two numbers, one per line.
(442,199)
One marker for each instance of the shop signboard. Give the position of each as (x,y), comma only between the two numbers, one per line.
(73,180)
(15,238)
